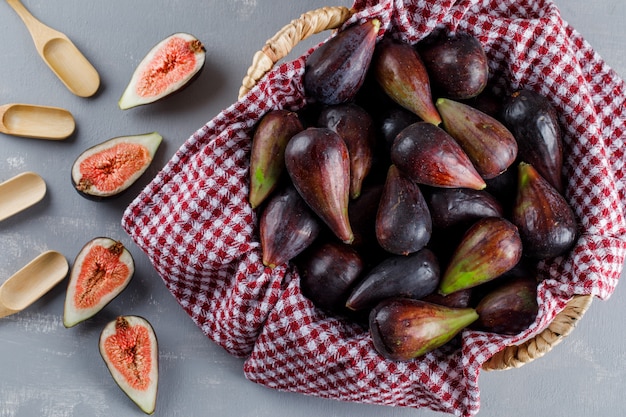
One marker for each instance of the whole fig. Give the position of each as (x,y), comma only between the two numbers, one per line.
(403,223)
(400,72)
(534,122)
(403,329)
(356,128)
(456,62)
(510,308)
(545,220)
(489,144)
(318,164)
(412,276)
(491,247)
(287,226)
(452,207)
(267,157)
(328,272)
(336,70)
(428,155)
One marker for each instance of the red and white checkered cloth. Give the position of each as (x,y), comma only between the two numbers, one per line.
(194,223)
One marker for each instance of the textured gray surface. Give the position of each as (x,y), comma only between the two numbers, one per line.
(49,371)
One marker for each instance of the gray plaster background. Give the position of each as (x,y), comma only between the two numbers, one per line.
(49,371)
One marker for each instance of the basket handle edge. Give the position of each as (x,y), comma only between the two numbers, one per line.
(279,45)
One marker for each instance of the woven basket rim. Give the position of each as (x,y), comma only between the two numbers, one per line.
(330,18)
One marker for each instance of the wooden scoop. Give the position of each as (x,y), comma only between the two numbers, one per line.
(61,55)
(31,282)
(31,121)
(20,192)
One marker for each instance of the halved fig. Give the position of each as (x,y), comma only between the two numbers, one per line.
(170,65)
(107,169)
(101,271)
(129,348)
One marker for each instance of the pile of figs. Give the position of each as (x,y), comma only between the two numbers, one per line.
(412,198)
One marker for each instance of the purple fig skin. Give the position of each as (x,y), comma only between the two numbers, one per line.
(456,63)
(318,164)
(403,223)
(267,158)
(450,207)
(362,215)
(393,121)
(336,70)
(489,144)
(428,155)
(504,188)
(510,308)
(328,273)
(413,276)
(545,220)
(491,247)
(404,329)
(287,226)
(356,128)
(535,125)
(458,299)
(401,73)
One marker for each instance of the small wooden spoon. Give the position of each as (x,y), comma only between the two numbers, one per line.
(32,121)
(31,282)
(20,192)
(61,55)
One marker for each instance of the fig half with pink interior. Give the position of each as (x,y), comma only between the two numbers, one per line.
(101,271)
(110,167)
(169,66)
(130,351)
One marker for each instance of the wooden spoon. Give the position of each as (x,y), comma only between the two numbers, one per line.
(31,282)
(20,192)
(31,121)
(61,55)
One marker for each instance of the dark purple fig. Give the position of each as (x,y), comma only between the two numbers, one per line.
(403,223)
(336,70)
(287,226)
(534,123)
(328,273)
(362,215)
(452,207)
(172,64)
(403,329)
(456,63)
(428,155)
(458,299)
(267,158)
(504,188)
(318,163)
(488,143)
(413,276)
(491,247)
(393,121)
(356,128)
(510,308)
(400,72)
(487,102)
(545,220)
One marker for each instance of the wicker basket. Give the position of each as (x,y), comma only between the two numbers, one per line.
(329,18)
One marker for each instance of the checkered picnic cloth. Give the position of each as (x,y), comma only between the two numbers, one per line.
(194,223)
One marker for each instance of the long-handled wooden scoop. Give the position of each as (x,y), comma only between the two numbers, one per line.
(61,55)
